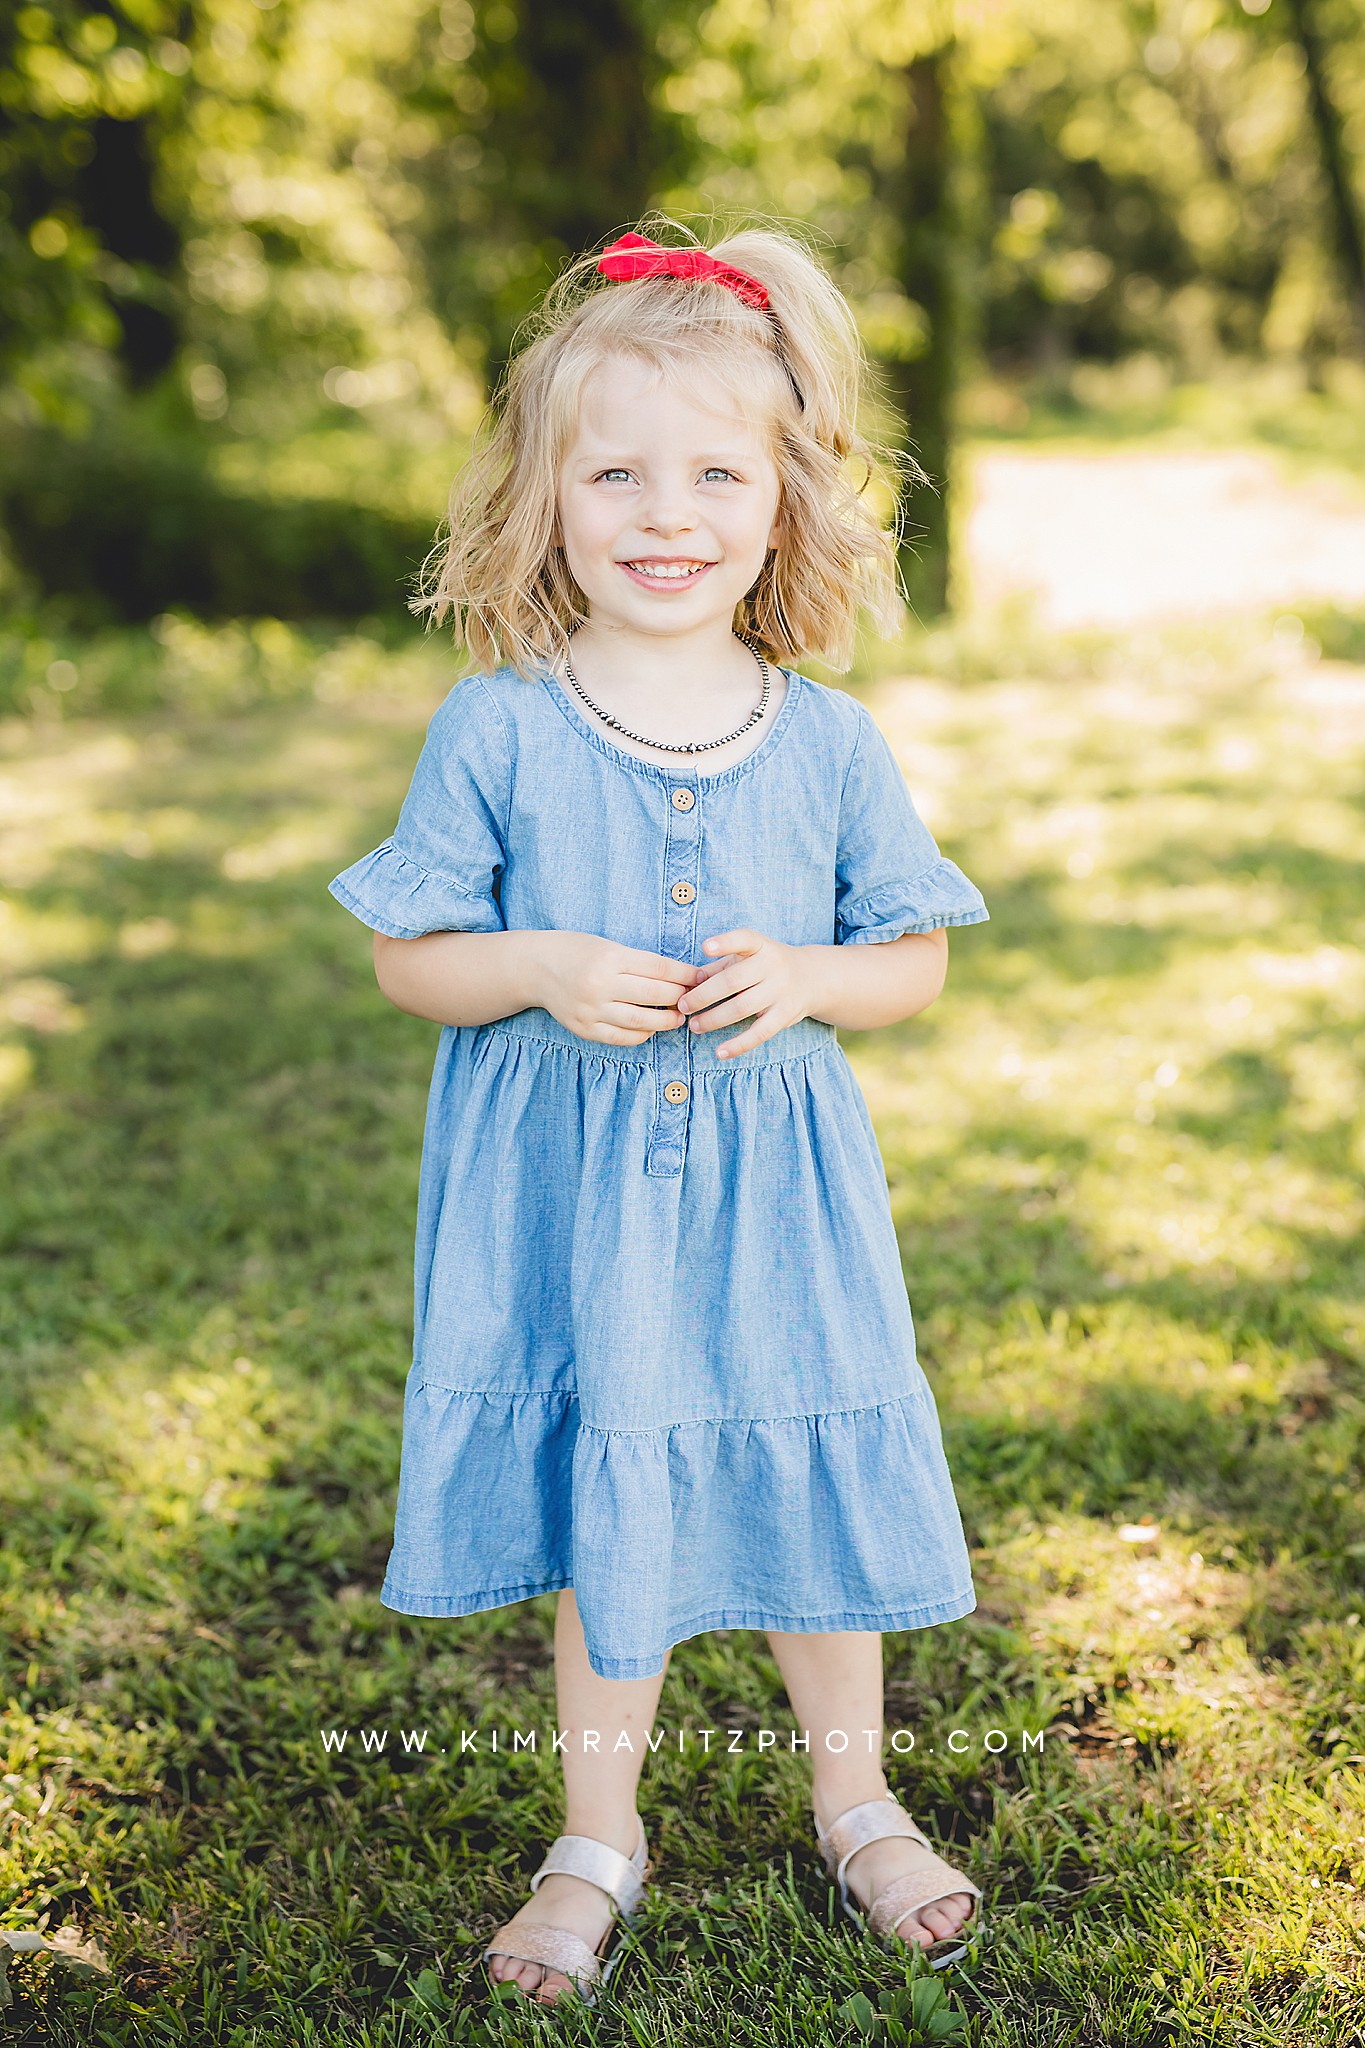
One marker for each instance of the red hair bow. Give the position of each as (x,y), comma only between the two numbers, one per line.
(636,256)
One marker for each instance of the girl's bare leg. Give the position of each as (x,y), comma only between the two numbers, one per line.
(600,1788)
(834,1682)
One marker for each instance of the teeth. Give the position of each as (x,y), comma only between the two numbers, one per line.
(669,571)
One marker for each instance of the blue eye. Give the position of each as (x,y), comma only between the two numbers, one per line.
(611,473)
(716,470)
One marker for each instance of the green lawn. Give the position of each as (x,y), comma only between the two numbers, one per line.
(1312,421)
(1125,1153)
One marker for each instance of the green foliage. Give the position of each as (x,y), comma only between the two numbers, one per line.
(562,137)
(132,527)
(1134,182)
(1339,633)
(281,218)
(84,247)
(366,198)
(385,191)
(911,2016)
(51,672)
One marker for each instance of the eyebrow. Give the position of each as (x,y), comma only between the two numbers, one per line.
(618,458)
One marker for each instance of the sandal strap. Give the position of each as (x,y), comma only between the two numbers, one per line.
(906,1895)
(554,1946)
(620,1877)
(870,1821)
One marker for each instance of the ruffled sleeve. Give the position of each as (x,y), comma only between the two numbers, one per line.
(890,877)
(440,870)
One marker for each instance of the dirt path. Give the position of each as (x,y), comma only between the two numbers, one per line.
(1114,538)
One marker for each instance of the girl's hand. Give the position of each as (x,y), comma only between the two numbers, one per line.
(617,995)
(758,977)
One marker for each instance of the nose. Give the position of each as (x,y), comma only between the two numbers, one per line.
(667,507)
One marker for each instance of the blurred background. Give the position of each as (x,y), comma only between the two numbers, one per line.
(261,261)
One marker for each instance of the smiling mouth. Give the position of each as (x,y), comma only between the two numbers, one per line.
(667,571)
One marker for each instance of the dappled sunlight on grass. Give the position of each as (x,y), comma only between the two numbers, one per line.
(1030,1371)
(1124,1154)
(195,1440)
(1156,1057)
(1297,1908)
(1151,1634)
(188,664)
(57,801)
(1252,1219)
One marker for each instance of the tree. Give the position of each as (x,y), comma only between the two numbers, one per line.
(1348,228)
(922,196)
(89,252)
(559,139)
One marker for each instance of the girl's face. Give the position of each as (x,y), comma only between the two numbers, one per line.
(668,502)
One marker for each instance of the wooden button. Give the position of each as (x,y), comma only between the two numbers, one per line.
(682,892)
(683,799)
(676,1091)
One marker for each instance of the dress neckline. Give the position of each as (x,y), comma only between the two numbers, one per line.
(656,769)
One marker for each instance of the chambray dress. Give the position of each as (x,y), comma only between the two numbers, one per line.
(663,1350)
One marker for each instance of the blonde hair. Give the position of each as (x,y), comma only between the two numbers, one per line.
(502,568)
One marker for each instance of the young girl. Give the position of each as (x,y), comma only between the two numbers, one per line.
(664,1361)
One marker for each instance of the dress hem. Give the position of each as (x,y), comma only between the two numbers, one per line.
(446,1606)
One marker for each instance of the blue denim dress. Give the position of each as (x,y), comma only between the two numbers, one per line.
(663,1351)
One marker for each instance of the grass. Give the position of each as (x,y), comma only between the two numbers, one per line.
(1312,422)
(1125,1155)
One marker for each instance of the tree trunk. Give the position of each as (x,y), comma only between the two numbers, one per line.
(1348,230)
(584,143)
(925,201)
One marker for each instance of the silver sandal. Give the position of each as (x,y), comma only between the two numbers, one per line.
(622,1878)
(936,1879)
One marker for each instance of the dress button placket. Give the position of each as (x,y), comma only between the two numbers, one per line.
(671,1051)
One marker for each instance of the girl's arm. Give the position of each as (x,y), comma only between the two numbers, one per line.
(459,977)
(861,987)
(596,987)
(478,977)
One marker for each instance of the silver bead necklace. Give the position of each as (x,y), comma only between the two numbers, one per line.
(687,746)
